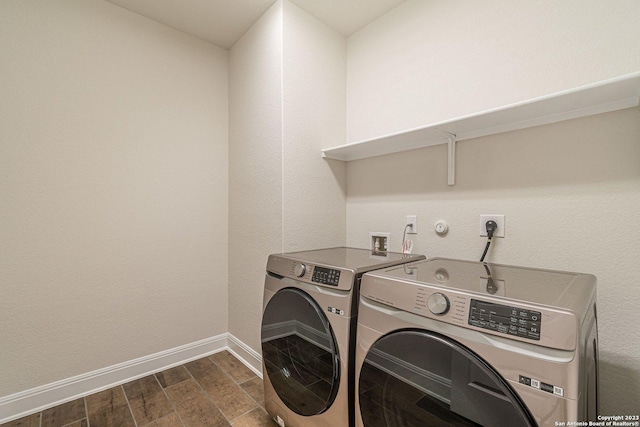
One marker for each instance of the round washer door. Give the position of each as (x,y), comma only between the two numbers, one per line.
(299,352)
(420,378)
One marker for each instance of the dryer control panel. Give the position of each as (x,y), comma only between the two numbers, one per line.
(326,276)
(505,319)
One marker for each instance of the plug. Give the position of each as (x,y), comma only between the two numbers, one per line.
(499,227)
(491,226)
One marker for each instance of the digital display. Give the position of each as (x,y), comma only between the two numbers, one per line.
(326,276)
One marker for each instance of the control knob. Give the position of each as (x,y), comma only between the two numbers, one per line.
(300,269)
(438,303)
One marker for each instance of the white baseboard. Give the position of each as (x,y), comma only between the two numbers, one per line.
(246,355)
(39,398)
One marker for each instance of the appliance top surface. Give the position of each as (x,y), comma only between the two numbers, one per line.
(545,287)
(357,260)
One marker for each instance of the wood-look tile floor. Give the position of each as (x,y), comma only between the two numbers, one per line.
(213,391)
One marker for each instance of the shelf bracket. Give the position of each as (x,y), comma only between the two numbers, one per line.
(451,156)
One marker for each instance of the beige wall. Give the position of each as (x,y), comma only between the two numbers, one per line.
(287,101)
(314,73)
(432,60)
(255,169)
(113,180)
(570,191)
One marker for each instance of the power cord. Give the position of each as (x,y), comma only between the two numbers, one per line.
(407,245)
(491,226)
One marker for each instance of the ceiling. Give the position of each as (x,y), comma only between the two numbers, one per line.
(223,22)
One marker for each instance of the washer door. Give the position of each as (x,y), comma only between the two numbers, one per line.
(299,352)
(420,378)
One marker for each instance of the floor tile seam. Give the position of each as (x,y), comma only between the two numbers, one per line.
(248,412)
(225,371)
(206,394)
(146,392)
(183,366)
(156,420)
(54,408)
(73,422)
(239,387)
(236,382)
(246,381)
(258,405)
(86,410)
(169,399)
(135,423)
(251,397)
(230,377)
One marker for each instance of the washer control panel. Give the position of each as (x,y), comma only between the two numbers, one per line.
(472,306)
(326,276)
(505,319)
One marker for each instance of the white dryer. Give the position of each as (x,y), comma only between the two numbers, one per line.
(308,328)
(451,342)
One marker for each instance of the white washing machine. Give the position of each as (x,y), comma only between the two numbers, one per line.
(450,342)
(308,325)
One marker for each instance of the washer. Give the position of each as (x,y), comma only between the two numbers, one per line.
(308,324)
(467,343)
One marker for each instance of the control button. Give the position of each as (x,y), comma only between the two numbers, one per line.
(525,380)
(438,303)
(546,387)
(300,270)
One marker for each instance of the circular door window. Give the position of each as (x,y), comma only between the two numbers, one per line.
(299,352)
(419,378)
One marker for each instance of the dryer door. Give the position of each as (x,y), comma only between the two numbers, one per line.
(299,352)
(420,378)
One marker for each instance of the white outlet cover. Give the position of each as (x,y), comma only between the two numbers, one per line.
(499,219)
(412,219)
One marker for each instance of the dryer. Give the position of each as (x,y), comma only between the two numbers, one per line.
(308,327)
(466,343)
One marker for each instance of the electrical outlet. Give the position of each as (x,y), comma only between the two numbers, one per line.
(413,220)
(499,219)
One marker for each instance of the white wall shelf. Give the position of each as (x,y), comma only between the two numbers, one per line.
(601,97)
